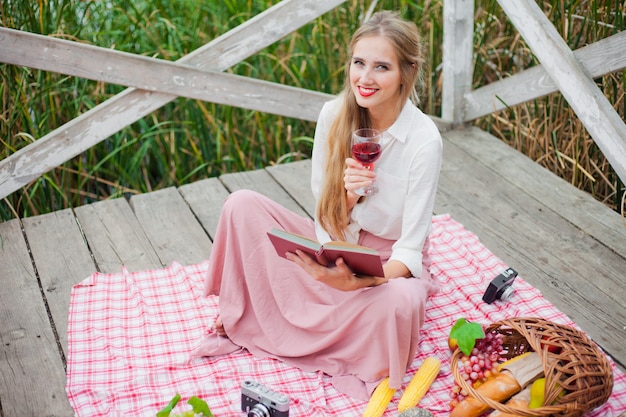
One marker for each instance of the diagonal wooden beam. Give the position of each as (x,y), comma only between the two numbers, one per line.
(592,107)
(92,127)
(157,75)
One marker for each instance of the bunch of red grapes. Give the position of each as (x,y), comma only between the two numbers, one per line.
(479,366)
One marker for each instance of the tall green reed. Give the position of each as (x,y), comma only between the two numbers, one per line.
(187,140)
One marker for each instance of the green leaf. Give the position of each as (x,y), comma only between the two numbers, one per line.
(466,332)
(168,408)
(200,406)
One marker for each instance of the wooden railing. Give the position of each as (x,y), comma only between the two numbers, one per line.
(154,82)
(571,73)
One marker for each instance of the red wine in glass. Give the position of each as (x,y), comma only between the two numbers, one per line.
(366,152)
(366,148)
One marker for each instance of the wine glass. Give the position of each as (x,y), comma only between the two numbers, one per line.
(366,148)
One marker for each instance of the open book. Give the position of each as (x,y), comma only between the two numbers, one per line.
(360,259)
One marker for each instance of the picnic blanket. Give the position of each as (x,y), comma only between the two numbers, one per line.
(130,336)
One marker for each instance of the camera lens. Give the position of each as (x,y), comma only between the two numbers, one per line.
(506,293)
(259,410)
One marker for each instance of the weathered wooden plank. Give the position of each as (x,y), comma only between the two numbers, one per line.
(205,198)
(171,227)
(33,377)
(62,259)
(157,75)
(598,59)
(458,52)
(115,237)
(104,120)
(295,178)
(581,92)
(260,181)
(580,212)
(573,204)
(526,221)
(570,268)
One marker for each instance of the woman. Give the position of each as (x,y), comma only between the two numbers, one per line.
(356,329)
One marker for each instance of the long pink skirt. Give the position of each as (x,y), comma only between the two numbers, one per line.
(272,308)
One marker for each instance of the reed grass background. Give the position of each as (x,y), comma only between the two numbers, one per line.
(187,140)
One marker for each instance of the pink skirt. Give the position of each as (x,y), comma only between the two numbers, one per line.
(272,308)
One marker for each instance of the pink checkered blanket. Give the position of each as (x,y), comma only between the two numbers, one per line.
(130,336)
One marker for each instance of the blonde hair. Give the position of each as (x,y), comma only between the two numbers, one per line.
(332,211)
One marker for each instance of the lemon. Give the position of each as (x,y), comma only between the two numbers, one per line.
(537,393)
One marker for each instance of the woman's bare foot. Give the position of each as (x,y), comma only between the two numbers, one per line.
(219,327)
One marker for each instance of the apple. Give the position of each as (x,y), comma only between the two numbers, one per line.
(551,348)
(453,344)
(464,334)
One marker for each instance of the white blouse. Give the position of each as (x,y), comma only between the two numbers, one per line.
(407,174)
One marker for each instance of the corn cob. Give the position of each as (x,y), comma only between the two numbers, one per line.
(379,400)
(421,381)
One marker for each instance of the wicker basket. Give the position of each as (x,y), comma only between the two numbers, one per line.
(580,367)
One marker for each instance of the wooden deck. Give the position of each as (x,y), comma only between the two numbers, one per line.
(566,244)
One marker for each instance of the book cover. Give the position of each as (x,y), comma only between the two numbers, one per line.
(360,259)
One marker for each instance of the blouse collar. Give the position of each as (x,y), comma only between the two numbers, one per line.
(400,128)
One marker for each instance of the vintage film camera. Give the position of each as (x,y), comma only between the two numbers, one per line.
(500,288)
(259,401)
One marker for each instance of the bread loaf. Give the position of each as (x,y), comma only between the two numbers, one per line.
(519,401)
(500,389)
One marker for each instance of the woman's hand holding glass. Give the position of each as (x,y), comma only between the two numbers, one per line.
(356,177)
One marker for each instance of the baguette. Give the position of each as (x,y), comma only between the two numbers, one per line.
(519,401)
(500,388)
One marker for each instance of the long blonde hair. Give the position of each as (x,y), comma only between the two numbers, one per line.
(332,211)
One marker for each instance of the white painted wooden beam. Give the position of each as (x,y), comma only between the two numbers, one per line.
(592,107)
(458,63)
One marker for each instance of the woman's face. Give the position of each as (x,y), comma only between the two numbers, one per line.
(375,76)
